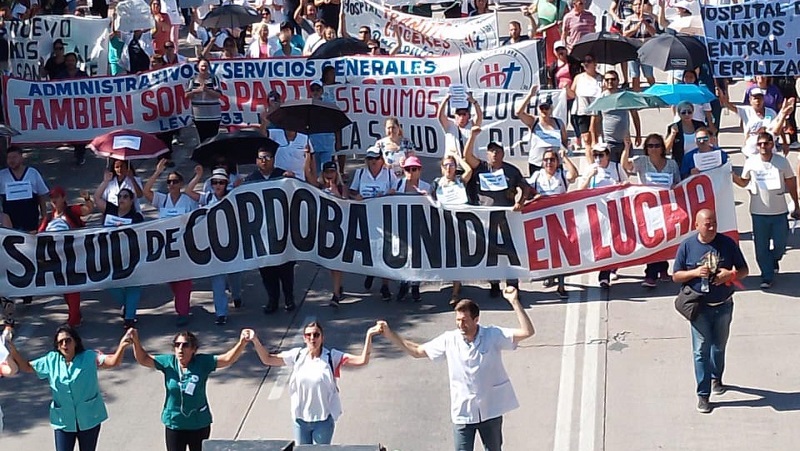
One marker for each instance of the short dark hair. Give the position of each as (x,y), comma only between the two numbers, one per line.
(766,135)
(17,149)
(494,146)
(515,22)
(73,55)
(660,139)
(468,306)
(178,175)
(127,190)
(190,337)
(266,150)
(73,333)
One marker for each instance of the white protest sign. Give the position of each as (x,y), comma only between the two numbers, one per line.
(422,36)
(753,38)
(704,161)
(458,97)
(132,15)
(31,43)
(127,142)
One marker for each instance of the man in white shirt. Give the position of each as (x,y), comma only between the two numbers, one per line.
(457,130)
(480,390)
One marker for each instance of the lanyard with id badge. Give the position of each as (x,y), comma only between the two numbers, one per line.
(187,385)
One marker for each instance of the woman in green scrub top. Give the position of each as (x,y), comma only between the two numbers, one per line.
(77,409)
(186,414)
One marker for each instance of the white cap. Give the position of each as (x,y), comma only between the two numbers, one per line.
(559,45)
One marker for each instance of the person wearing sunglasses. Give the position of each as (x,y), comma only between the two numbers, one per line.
(681,134)
(412,185)
(77,409)
(702,111)
(546,130)
(604,172)
(173,203)
(654,168)
(586,87)
(757,118)
(616,124)
(313,386)
(186,415)
(769,177)
(705,144)
(374,180)
(171,57)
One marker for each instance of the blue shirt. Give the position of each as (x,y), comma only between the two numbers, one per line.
(692,253)
(688,161)
(77,403)
(293,50)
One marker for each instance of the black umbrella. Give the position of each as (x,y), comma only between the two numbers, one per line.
(309,116)
(340,47)
(607,48)
(238,147)
(231,16)
(673,52)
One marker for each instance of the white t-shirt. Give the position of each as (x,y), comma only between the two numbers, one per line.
(368,186)
(455,143)
(752,123)
(31,183)
(313,41)
(546,185)
(114,186)
(167,208)
(611,175)
(312,385)
(767,184)
(480,388)
(423,187)
(291,156)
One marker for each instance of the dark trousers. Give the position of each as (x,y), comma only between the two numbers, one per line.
(166,138)
(276,276)
(652,270)
(79,152)
(207,129)
(87,440)
(179,439)
(491,432)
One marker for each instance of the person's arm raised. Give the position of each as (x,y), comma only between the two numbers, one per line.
(147,191)
(142,357)
(266,358)
(469,150)
(363,359)
(233,354)
(522,112)
(115,359)
(99,202)
(411,348)
(189,190)
(526,329)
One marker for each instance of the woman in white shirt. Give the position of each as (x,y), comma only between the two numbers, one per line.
(546,130)
(173,203)
(314,391)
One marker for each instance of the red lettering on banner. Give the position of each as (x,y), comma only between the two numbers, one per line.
(22,106)
(256,97)
(166,101)
(289,89)
(385,102)
(601,251)
(39,116)
(628,245)
(641,203)
(75,113)
(677,216)
(534,244)
(693,193)
(563,238)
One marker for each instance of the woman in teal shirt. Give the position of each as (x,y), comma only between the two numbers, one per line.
(77,408)
(186,414)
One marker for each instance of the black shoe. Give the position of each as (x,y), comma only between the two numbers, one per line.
(27,299)
(129,324)
(237,303)
(290,306)
(386,295)
(270,309)
(562,293)
(415,294)
(368,282)
(717,388)
(777,267)
(402,291)
(334,302)
(494,290)
(221,320)
(703,406)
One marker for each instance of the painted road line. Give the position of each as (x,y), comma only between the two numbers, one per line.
(283,373)
(591,350)
(566,385)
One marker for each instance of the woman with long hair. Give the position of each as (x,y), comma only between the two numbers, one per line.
(187,415)
(78,408)
(314,391)
(330,181)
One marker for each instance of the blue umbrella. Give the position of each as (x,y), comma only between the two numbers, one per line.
(674,94)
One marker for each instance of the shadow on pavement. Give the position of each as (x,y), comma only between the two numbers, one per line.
(779,401)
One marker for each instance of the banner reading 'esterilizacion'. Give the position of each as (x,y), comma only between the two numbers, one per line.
(398,237)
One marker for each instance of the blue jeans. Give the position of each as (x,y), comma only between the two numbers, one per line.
(314,432)
(87,440)
(218,284)
(129,298)
(633,69)
(710,331)
(491,432)
(766,228)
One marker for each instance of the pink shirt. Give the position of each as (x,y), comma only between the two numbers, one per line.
(563,76)
(576,25)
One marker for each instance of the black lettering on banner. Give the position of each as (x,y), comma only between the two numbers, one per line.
(468,220)
(451,257)
(169,240)
(29,270)
(424,137)
(357,236)
(97,270)
(196,255)
(299,198)
(425,236)
(498,228)
(330,223)
(155,245)
(48,261)
(276,244)
(391,259)
(250,226)
(224,253)
(120,271)
(371,130)
(73,277)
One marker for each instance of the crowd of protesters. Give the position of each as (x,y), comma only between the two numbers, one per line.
(390,167)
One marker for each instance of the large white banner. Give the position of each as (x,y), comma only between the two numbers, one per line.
(369,90)
(398,237)
(31,43)
(753,38)
(422,36)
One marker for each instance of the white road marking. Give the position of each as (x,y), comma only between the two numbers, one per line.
(591,351)
(566,385)
(282,374)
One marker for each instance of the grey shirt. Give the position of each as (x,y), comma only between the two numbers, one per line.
(616,125)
